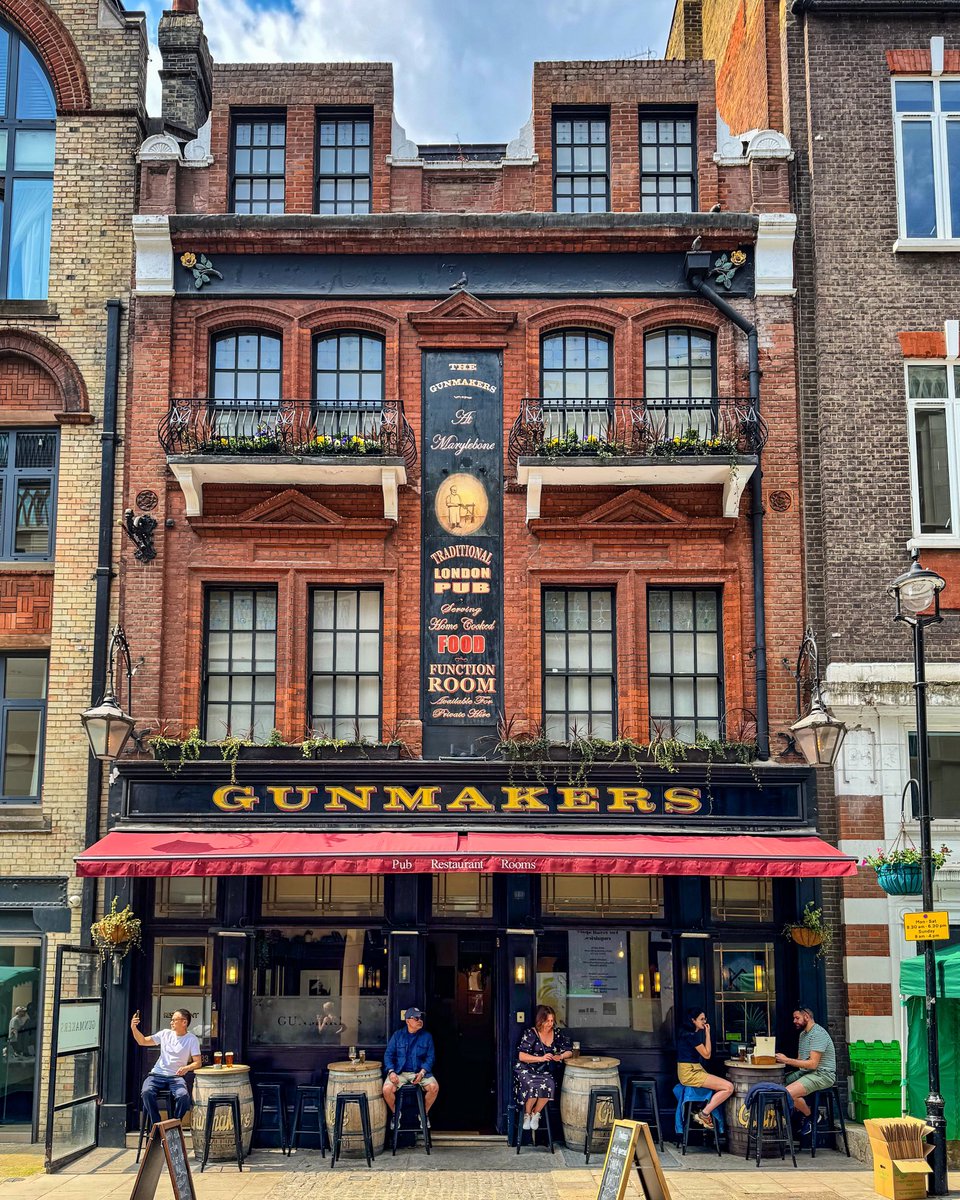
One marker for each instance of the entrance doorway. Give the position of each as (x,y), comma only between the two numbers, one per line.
(459,1002)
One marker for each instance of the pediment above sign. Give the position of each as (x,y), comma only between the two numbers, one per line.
(295,515)
(462,313)
(290,507)
(633,512)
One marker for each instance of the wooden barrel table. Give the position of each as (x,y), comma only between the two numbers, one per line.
(366,1077)
(743,1076)
(579,1076)
(209,1082)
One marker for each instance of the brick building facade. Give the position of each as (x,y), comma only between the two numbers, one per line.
(877,344)
(457,451)
(74,72)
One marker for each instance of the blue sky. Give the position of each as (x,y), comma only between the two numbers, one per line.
(462,68)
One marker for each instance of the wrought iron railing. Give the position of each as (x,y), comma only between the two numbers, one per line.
(303,428)
(646,427)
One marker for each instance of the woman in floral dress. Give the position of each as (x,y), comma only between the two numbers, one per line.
(534,1081)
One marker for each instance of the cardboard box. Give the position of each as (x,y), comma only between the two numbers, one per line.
(897,1178)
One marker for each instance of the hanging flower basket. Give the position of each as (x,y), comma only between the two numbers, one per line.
(900,869)
(116,934)
(811,930)
(806,937)
(900,879)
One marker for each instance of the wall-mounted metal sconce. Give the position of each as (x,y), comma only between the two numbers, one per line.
(520,969)
(107,726)
(819,735)
(693,970)
(403,968)
(233,971)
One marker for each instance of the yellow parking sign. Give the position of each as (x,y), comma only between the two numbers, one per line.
(926,926)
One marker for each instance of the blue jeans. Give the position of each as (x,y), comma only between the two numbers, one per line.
(179,1096)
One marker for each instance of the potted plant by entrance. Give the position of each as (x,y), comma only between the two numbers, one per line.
(899,870)
(115,935)
(811,930)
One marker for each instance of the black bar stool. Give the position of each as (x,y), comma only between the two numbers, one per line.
(309,1104)
(774,1104)
(834,1126)
(269,1104)
(164,1101)
(689,1108)
(232,1103)
(518,1115)
(360,1100)
(642,1094)
(598,1096)
(412,1091)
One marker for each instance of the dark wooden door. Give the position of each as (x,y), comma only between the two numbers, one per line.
(459,1002)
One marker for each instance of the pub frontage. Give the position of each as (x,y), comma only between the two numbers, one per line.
(298,911)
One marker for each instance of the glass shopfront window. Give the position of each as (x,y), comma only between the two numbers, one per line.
(745,995)
(323,895)
(319,987)
(186,896)
(19,1004)
(462,894)
(182,979)
(611,988)
(602,895)
(741,901)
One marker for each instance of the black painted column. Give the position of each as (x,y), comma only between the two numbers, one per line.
(114,1112)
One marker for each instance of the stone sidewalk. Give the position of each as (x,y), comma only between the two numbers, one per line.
(457,1170)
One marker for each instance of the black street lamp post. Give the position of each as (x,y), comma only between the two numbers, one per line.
(917,591)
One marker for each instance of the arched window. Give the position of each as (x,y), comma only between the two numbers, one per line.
(348,384)
(679,368)
(576,384)
(27,136)
(245,382)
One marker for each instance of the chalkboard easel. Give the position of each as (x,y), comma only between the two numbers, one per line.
(165,1146)
(630,1141)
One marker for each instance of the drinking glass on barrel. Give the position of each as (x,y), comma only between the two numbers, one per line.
(229,1058)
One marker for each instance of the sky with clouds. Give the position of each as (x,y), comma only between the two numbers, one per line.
(462,68)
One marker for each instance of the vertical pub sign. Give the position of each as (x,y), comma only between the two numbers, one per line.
(462,654)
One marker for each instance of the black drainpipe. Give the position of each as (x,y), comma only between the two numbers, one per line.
(103,576)
(695,276)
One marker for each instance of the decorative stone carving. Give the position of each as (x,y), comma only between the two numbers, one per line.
(159,147)
(197,153)
(773,264)
(154,255)
(768,143)
(400,145)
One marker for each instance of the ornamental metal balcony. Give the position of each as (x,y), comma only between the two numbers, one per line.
(288,442)
(651,441)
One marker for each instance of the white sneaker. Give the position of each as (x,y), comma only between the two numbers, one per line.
(535,1121)
(526,1120)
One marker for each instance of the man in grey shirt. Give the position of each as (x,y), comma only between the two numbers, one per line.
(815,1066)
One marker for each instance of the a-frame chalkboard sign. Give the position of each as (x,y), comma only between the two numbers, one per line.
(631,1141)
(165,1145)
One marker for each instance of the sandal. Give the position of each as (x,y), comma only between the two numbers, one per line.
(703,1119)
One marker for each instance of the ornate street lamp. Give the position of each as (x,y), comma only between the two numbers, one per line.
(819,735)
(107,726)
(917,592)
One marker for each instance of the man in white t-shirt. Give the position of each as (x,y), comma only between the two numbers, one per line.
(179,1054)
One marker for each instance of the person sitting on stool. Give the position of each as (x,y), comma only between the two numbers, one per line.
(409,1059)
(179,1054)
(694,1048)
(815,1064)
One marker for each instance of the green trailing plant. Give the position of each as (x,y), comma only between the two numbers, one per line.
(175,753)
(666,752)
(904,856)
(276,738)
(230,748)
(572,445)
(811,922)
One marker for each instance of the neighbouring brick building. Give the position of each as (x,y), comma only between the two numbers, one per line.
(874,187)
(72,101)
(457,452)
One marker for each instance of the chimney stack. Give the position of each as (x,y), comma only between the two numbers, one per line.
(187,73)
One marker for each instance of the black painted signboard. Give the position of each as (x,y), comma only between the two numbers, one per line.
(165,1146)
(619,1160)
(462,555)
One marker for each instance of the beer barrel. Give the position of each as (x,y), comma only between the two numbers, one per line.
(579,1076)
(208,1083)
(365,1077)
(743,1076)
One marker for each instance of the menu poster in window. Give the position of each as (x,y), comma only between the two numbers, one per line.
(552,991)
(599,992)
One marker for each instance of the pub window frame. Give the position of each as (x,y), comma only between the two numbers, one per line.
(205,701)
(312,672)
(25,704)
(660,115)
(592,416)
(251,117)
(353,206)
(12,477)
(582,114)
(440,910)
(325,904)
(345,416)
(949,405)
(664,725)
(589,673)
(261,372)
(941,122)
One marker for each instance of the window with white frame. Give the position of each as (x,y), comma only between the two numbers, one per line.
(932,391)
(927,122)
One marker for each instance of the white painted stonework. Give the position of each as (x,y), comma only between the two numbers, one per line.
(774,254)
(154,255)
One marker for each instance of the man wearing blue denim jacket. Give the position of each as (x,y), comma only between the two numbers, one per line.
(409,1059)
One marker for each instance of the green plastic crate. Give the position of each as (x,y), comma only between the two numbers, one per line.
(874,1052)
(868,1108)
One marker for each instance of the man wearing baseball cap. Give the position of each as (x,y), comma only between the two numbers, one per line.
(409,1059)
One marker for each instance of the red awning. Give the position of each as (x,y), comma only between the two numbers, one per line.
(383,852)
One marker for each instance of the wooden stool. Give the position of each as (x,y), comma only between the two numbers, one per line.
(689,1108)
(642,1093)
(774,1103)
(360,1100)
(232,1102)
(269,1102)
(164,1101)
(518,1115)
(309,1103)
(834,1126)
(421,1127)
(597,1096)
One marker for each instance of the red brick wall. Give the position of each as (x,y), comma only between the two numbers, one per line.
(26,388)
(26,602)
